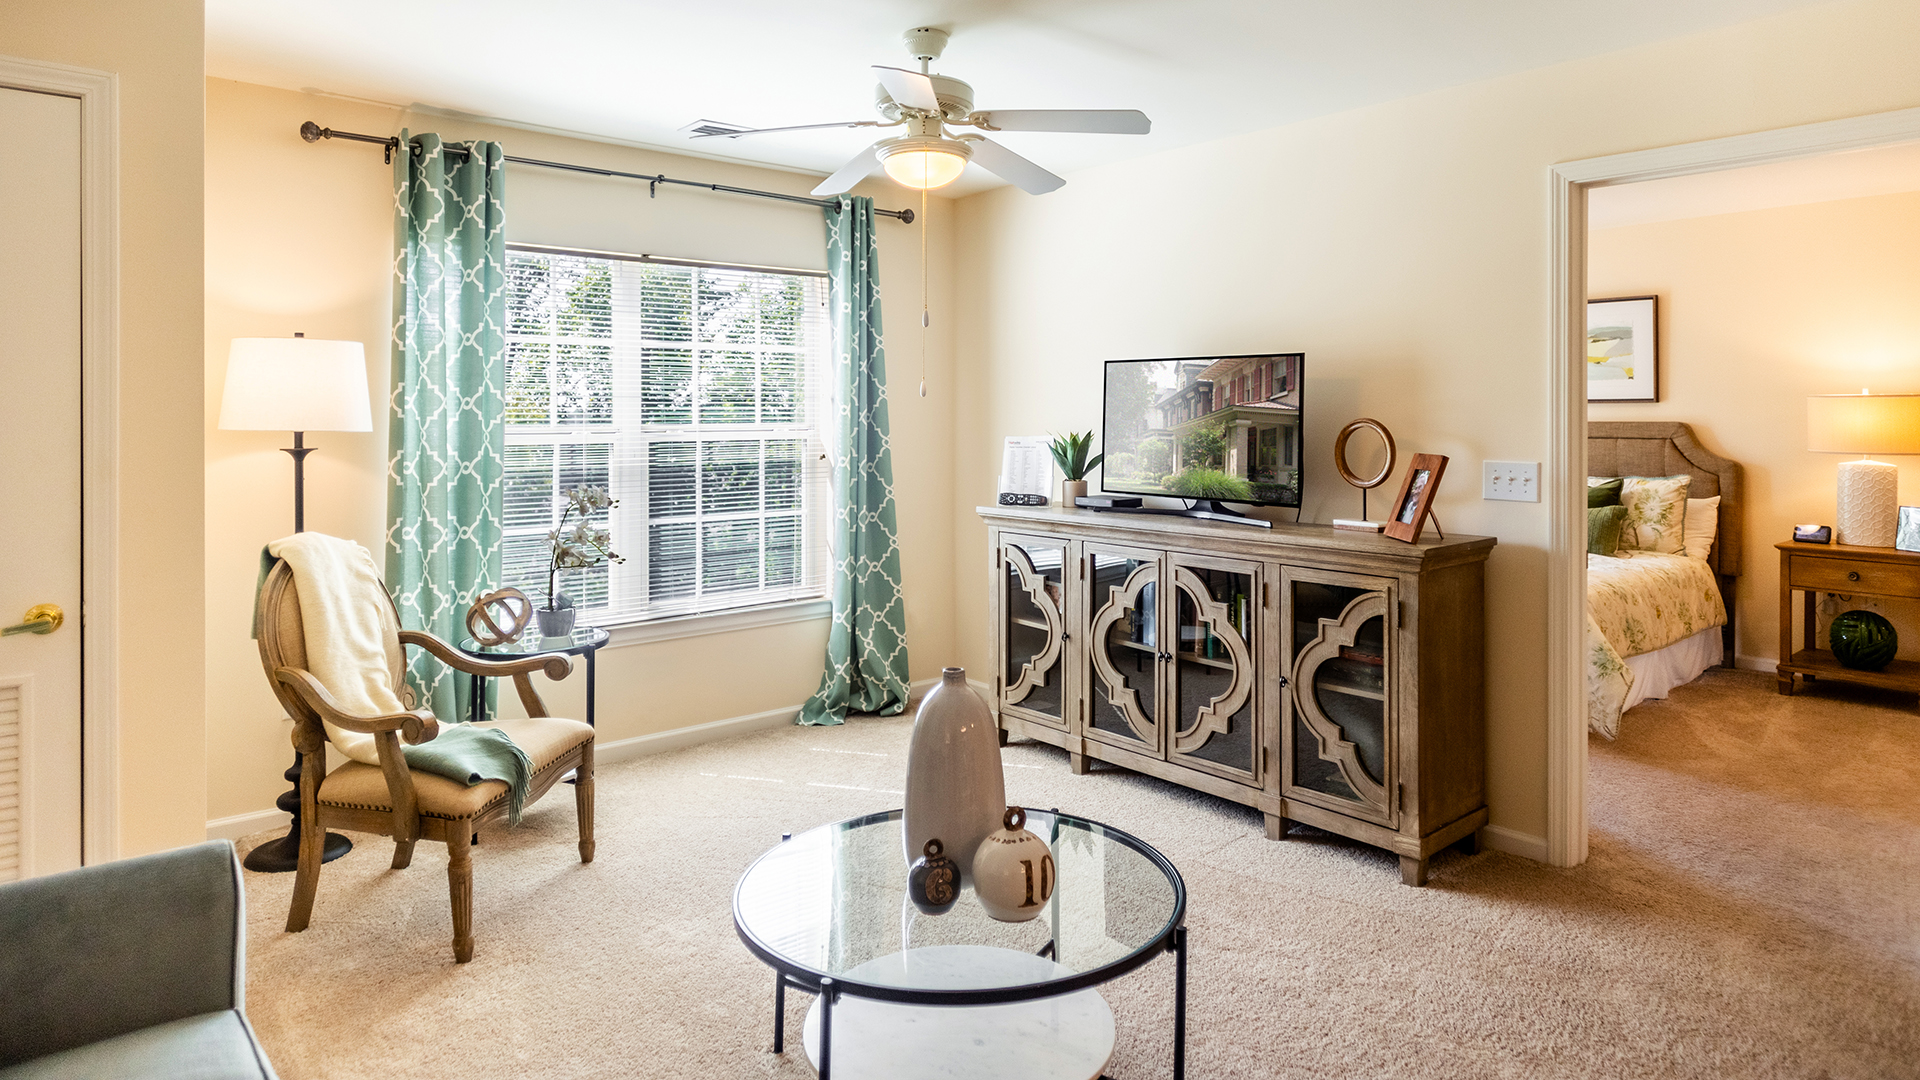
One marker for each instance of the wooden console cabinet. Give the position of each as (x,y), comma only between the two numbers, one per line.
(1331,678)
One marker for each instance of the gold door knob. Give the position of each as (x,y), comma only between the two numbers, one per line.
(39,619)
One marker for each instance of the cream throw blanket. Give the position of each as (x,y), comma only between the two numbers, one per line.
(348,620)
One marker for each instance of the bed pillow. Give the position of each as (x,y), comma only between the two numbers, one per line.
(1603,529)
(1702,525)
(1603,490)
(1656,513)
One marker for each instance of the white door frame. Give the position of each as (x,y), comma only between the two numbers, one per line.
(1567,448)
(99,95)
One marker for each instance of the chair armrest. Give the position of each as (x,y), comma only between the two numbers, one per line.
(106,950)
(556,665)
(415,726)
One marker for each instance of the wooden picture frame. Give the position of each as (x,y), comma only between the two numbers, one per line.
(1623,349)
(1414,504)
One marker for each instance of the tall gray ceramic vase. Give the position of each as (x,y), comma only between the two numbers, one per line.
(955,789)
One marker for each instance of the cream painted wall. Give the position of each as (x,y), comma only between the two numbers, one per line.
(155,48)
(1758,311)
(300,238)
(1404,248)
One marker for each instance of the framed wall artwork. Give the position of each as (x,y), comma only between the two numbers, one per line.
(1415,501)
(1623,349)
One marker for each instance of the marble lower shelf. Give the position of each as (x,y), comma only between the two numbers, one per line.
(1061,1038)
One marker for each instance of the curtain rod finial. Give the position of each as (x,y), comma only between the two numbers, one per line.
(311,131)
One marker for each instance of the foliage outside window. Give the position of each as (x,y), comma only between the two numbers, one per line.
(692,394)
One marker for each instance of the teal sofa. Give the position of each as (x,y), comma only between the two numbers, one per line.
(136,968)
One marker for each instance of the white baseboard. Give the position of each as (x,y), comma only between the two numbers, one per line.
(239,825)
(1525,845)
(1768,664)
(660,742)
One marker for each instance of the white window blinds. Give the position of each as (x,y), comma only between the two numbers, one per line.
(693,394)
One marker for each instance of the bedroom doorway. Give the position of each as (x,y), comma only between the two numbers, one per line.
(1571,184)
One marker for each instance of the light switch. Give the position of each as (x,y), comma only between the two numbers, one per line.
(1510,481)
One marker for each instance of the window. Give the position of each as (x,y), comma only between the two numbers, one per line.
(692,393)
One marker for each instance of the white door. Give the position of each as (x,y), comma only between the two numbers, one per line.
(40,794)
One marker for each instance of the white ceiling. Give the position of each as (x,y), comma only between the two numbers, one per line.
(637,70)
(1855,174)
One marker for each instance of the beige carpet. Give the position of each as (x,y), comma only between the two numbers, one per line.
(1751,909)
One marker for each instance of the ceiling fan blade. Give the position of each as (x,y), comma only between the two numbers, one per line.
(850,174)
(909,88)
(1011,167)
(734,134)
(1095,121)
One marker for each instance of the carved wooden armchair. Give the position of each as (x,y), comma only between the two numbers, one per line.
(390,799)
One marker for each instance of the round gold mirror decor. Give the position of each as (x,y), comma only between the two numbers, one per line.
(1362,482)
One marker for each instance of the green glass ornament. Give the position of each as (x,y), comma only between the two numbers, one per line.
(1863,640)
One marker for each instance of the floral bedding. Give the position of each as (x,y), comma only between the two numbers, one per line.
(1636,604)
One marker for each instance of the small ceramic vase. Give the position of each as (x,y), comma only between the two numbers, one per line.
(955,789)
(555,622)
(1013,871)
(1071,490)
(933,882)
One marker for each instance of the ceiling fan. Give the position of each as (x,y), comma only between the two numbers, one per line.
(926,156)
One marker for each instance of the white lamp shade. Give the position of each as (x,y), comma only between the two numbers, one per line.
(296,384)
(1864,424)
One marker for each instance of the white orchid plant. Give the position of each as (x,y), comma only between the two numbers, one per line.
(582,545)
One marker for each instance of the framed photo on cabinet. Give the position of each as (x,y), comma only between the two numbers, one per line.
(1415,501)
(1623,349)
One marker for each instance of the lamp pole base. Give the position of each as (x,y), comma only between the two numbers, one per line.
(283,855)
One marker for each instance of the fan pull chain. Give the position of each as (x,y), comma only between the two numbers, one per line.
(926,319)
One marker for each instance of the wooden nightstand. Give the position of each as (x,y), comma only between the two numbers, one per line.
(1850,571)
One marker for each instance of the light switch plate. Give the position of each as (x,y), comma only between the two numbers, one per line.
(1510,481)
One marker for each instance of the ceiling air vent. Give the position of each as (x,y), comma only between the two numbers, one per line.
(714,127)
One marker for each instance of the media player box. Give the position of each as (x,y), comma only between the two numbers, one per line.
(1108,502)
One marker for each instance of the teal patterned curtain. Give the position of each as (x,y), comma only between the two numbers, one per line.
(445,431)
(867,647)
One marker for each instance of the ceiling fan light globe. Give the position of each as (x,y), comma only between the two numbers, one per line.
(923,162)
(925,169)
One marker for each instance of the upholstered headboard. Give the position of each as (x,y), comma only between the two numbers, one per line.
(1620,448)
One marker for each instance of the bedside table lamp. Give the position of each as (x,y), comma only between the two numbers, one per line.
(296,384)
(1867,503)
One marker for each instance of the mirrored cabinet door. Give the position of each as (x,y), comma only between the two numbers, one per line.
(1124,648)
(1033,607)
(1212,692)
(1339,744)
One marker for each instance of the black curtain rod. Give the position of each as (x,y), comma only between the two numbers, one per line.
(313,132)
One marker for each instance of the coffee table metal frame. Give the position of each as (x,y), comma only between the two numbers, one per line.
(787,973)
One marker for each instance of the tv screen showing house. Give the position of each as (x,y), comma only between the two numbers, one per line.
(1208,427)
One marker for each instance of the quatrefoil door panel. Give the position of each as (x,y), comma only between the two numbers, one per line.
(1035,634)
(1214,697)
(1339,747)
(1126,648)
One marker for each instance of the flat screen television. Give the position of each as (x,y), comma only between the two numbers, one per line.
(1207,429)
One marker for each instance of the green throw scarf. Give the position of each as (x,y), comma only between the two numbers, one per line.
(473,755)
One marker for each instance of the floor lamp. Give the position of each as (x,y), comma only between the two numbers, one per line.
(296,384)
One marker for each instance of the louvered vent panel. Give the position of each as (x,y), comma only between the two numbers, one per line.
(11,721)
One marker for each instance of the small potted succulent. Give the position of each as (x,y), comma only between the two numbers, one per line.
(1070,453)
(574,548)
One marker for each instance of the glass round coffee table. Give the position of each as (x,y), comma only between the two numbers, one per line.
(899,993)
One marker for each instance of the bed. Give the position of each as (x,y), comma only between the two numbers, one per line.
(1657,621)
